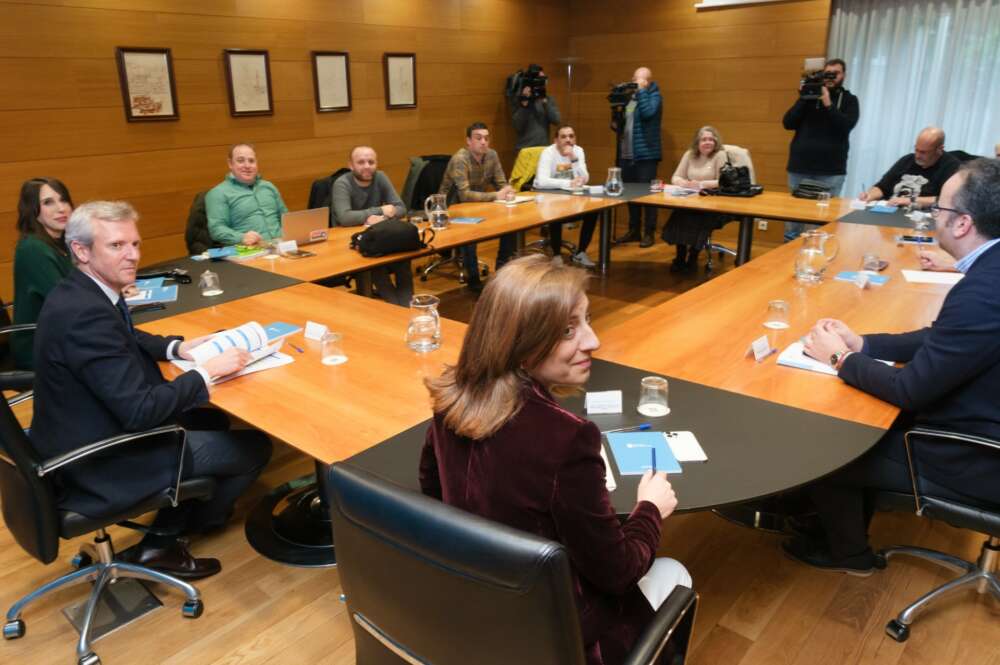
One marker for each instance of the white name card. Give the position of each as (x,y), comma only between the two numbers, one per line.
(315,331)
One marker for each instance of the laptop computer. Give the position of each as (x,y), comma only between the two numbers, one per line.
(305,226)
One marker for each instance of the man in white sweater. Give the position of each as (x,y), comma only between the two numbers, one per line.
(562,165)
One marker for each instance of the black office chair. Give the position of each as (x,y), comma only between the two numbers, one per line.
(27,499)
(423,179)
(19,381)
(965,514)
(321,192)
(429,583)
(739,157)
(196,235)
(963,156)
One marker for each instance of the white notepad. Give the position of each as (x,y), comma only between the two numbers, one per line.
(931,277)
(795,356)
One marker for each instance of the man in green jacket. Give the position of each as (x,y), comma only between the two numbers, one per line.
(244,209)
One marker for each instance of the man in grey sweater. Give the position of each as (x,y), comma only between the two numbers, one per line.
(364,197)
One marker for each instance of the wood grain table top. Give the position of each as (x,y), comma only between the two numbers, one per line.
(703,334)
(327,412)
(335,257)
(770,205)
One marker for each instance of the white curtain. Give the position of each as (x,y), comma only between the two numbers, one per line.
(915,63)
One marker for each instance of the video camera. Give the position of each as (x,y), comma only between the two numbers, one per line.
(812,83)
(622,93)
(533,78)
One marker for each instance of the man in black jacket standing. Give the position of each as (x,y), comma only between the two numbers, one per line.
(822,127)
(950,381)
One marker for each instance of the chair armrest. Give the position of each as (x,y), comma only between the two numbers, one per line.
(19,380)
(21,397)
(676,615)
(20,327)
(82,453)
(943,436)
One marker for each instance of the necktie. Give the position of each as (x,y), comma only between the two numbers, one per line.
(123,310)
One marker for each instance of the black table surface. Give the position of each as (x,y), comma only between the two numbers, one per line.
(237,282)
(755,448)
(897,219)
(631,190)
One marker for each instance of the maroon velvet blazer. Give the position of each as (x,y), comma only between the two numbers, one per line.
(542,472)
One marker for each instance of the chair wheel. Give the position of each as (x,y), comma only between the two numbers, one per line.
(13,629)
(90,659)
(81,560)
(423,278)
(897,631)
(881,562)
(192,609)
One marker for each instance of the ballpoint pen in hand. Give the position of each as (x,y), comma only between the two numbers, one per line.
(652,452)
(632,428)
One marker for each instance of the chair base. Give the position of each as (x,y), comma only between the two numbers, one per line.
(456,260)
(981,575)
(122,602)
(104,575)
(722,250)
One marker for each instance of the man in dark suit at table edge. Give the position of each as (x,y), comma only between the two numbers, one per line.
(96,377)
(950,381)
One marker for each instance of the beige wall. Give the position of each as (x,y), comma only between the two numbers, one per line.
(61,109)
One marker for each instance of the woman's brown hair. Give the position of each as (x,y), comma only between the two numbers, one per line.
(520,317)
(697,138)
(29,207)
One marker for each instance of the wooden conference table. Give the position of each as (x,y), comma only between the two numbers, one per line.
(769,205)
(764,427)
(334,256)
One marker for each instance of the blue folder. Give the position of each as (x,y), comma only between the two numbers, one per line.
(633,452)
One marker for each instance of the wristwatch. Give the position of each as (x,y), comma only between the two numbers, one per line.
(837,358)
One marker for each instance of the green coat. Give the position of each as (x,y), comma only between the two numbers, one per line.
(37,268)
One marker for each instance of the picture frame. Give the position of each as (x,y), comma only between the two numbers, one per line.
(332,81)
(399,71)
(248,79)
(146,78)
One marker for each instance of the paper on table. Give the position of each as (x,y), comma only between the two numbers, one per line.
(249,337)
(931,277)
(606,401)
(268,357)
(795,356)
(609,477)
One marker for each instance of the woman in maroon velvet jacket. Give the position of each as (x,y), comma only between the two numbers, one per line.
(502,447)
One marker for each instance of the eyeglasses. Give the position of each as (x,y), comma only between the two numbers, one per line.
(936,209)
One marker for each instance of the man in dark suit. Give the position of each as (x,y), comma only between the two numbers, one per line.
(950,381)
(96,377)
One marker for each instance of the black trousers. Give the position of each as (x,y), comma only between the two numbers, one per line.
(233,458)
(586,233)
(470,259)
(400,292)
(642,171)
(846,500)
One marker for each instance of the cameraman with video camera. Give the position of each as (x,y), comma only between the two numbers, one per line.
(822,119)
(532,110)
(636,110)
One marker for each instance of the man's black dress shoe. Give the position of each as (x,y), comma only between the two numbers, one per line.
(173,560)
(647,240)
(631,236)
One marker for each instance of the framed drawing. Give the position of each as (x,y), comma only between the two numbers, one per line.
(146,77)
(331,81)
(248,76)
(400,73)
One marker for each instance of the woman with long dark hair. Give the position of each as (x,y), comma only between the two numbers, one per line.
(41,258)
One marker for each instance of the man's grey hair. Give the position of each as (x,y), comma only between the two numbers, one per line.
(80,227)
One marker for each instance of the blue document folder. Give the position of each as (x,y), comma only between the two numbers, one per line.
(279,329)
(466,220)
(633,452)
(155,294)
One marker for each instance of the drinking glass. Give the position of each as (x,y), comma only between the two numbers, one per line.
(777,315)
(653,397)
(656,185)
(823,199)
(870,261)
(333,351)
(210,284)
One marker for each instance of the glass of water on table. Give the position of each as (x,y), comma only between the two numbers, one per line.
(653,397)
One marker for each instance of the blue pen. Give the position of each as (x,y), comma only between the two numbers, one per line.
(296,348)
(634,428)
(652,452)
